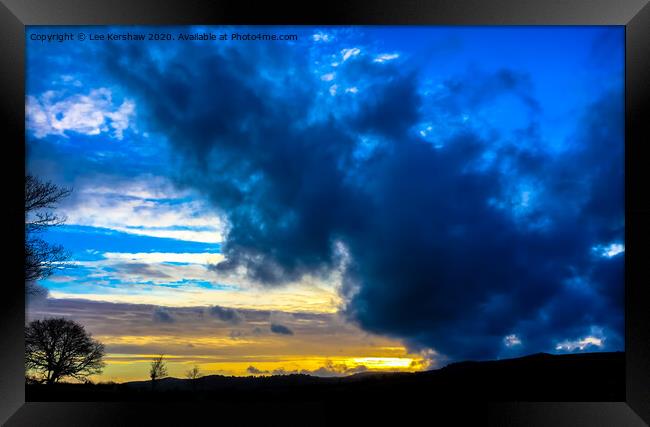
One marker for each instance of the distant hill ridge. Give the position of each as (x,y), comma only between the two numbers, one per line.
(538,360)
(537,377)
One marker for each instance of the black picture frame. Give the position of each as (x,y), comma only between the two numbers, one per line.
(633,14)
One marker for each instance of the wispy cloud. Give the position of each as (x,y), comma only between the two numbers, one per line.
(348,53)
(386,57)
(147,206)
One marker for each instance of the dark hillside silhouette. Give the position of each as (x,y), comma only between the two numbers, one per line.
(539,377)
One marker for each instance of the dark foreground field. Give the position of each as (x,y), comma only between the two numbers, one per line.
(540,377)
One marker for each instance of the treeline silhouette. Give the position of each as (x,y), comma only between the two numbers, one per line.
(539,377)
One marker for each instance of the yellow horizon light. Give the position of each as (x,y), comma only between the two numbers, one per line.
(383,362)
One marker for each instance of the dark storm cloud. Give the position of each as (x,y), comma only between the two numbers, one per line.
(447,251)
(280,329)
(162,315)
(225,314)
(475,89)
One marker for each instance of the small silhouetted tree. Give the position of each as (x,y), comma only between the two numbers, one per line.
(158,370)
(58,348)
(193,375)
(41,257)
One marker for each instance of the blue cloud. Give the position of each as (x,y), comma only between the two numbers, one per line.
(225,314)
(280,329)
(162,315)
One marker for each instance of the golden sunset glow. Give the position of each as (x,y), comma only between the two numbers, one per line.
(300,297)
(134,367)
(245,344)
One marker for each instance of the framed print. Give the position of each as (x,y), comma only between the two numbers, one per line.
(274,212)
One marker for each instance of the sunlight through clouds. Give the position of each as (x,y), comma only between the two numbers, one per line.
(322,344)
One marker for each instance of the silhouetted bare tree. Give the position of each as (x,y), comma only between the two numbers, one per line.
(57,348)
(193,373)
(41,258)
(158,370)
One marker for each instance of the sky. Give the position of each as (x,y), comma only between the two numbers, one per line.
(361,198)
